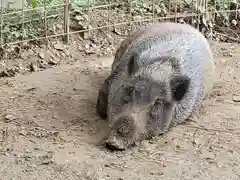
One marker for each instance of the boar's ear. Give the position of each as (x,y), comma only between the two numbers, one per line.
(132,65)
(179,86)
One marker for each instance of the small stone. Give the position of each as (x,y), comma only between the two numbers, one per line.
(236,98)
(87,46)
(63,55)
(23,132)
(25,44)
(234,22)
(137,18)
(41,55)
(59,26)
(85,35)
(117,31)
(67,53)
(93,45)
(59,47)
(79,18)
(181,20)
(52,62)
(55,117)
(9,118)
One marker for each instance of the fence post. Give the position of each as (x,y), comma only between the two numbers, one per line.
(66,20)
(1,31)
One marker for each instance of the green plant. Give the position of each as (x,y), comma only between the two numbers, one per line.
(37,3)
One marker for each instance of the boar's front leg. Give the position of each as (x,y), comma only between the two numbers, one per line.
(102,101)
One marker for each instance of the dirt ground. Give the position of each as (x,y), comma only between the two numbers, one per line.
(49,129)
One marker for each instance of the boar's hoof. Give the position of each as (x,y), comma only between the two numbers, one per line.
(113,145)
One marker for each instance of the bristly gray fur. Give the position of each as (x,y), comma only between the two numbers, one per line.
(159,52)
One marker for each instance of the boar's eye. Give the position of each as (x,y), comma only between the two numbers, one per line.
(127,93)
(158,108)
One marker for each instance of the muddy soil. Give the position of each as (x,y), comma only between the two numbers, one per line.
(49,128)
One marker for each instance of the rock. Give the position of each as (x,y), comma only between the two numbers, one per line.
(117,31)
(41,55)
(52,62)
(33,67)
(55,116)
(25,44)
(59,26)
(87,46)
(59,47)
(86,35)
(234,22)
(236,98)
(67,53)
(137,18)
(23,132)
(9,118)
(9,72)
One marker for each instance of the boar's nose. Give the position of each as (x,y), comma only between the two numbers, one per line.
(112,144)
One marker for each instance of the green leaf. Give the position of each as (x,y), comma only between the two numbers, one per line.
(34,3)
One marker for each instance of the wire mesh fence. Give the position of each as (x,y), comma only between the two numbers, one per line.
(42,19)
